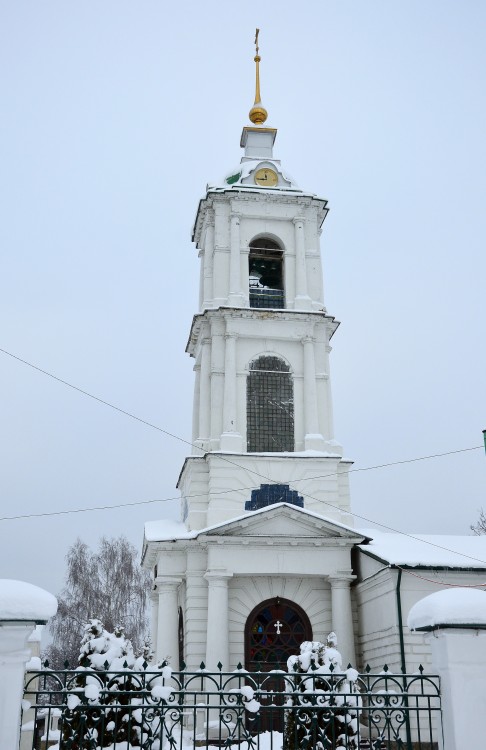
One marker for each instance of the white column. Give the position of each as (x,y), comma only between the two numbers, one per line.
(230,439)
(217,642)
(205,395)
(167,644)
(302,299)
(217,382)
(235,296)
(208,266)
(313,440)
(342,617)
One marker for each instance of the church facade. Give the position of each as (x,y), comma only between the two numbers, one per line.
(266,554)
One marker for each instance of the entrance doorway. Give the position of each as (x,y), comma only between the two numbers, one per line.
(274,631)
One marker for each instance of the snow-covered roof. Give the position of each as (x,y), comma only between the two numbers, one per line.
(166,530)
(25,602)
(427,550)
(457,607)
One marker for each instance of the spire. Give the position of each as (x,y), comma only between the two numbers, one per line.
(258,114)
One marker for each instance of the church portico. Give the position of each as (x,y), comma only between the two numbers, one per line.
(222,573)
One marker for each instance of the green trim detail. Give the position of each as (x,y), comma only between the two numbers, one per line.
(233,178)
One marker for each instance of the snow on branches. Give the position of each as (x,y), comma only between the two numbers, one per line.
(326,700)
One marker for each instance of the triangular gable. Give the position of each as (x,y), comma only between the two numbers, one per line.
(284,520)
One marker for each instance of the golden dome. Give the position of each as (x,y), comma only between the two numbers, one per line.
(258,114)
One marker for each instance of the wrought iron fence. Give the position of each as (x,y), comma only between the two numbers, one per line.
(164,710)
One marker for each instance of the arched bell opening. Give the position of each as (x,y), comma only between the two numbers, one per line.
(265,273)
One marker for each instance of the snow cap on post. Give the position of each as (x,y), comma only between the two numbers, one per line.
(24,602)
(453,608)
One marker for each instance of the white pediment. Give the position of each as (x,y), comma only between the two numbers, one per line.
(284,521)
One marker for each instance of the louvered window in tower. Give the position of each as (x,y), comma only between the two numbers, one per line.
(270,406)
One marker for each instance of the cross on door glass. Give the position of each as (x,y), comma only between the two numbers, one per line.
(278,625)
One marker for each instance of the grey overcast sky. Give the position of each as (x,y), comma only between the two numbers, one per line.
(114,117)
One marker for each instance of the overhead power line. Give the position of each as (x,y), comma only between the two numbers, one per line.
(225,458)
(239,489)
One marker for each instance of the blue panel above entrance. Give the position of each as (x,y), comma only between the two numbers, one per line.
(269,494)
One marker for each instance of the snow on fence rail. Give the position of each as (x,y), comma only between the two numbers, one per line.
(81,709)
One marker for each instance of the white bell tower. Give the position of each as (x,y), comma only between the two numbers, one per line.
(261,343)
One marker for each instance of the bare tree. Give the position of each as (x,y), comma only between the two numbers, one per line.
(108,584)
(480,526)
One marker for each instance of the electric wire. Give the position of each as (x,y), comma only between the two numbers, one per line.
(442,583)
(241,489)
(225,458)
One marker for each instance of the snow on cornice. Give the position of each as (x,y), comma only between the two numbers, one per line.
(281,314)
(253,192)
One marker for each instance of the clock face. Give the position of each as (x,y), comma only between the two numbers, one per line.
(266,177)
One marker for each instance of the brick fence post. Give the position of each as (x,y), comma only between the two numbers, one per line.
(455,620)
(22,607)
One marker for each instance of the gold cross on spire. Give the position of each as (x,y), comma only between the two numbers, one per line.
(258,114)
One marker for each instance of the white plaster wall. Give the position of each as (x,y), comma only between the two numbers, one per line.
(315,477)
(195,609)
(229,480)
(194,488)
(378,642)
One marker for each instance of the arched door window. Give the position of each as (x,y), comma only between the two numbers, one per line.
(266,287)
(270,406)
(274,631)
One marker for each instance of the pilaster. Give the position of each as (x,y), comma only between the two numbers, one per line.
(217,381)
(313,440)
(205,395)
(302,299)
(230,439)
(167,643)
(235,297)
(195,409)
(208,262)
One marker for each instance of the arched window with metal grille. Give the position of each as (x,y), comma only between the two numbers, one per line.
(270,406)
